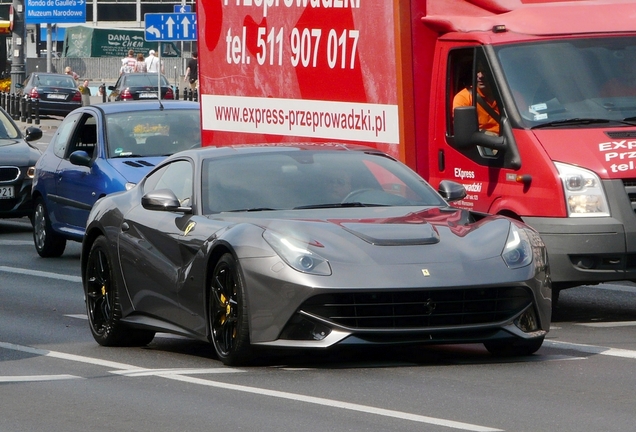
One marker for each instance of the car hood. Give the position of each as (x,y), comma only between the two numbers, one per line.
(609,152)
(133,169)
(391,234)
(18,153)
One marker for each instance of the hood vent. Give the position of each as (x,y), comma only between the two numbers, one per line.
(621,134)
(139,163)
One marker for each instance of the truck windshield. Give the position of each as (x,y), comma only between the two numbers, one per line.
(574,82)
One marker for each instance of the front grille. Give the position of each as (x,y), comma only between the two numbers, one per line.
(630,189)
(420,308)
(621,134)
(9,174)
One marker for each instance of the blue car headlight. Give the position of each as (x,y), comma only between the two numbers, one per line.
(297,255)
(518,250)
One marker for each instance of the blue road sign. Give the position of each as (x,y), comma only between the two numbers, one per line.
(170,27)
(53,12)
(182,8)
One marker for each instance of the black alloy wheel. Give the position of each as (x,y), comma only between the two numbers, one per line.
(102,302)
(227,313)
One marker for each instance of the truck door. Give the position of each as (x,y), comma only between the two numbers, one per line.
(480,161)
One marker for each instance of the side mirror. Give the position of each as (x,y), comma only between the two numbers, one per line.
(163,200)
(81,158)
(32,133)
(451,191)
(467,132)
(111,87)
(465,126)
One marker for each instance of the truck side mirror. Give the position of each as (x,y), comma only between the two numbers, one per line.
(465,126)
(467,132)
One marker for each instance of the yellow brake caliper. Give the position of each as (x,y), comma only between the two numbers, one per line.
(227,308)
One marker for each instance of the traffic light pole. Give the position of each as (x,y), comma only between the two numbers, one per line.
(18,39)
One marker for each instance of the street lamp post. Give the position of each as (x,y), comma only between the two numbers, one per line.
(18,39)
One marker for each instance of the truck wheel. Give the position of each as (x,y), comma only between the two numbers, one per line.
(48,244)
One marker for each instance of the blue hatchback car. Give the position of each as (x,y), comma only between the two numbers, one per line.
(101,149)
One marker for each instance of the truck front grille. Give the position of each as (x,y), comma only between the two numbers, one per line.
(630,188)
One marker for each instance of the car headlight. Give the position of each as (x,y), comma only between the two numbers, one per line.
(130,185)
(30,173)
(518,251)
(296,254)
(584,194)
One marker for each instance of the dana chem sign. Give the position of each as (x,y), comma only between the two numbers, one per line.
(55,11)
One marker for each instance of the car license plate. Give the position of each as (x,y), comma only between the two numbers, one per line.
(6,192)
(57,96)
(147,95)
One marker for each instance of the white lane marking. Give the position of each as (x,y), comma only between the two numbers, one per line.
(175,371)
(124,369)
(40,274)
(608,324)
(71,357)
(592,349)
(16,242)
(33,378)
(336,404)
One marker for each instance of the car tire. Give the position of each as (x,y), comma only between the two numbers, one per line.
(103,307)
(513,348)
(227,313)
(48,244)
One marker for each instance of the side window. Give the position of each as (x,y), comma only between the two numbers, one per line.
(85,137)
(63,135)
(177,177)
(470,82)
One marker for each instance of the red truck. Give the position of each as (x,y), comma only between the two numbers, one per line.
(562,154)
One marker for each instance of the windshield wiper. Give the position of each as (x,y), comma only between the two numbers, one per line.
(572,122)
(255,209)
(338,205)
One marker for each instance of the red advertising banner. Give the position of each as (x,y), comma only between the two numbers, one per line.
(298,70)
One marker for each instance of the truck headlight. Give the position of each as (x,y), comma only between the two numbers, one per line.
(296,254)
(584,194)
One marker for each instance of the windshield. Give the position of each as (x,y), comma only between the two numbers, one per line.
(7,129)
(152,133)
(307,179)
(144,80)
(54,81)
(591,79)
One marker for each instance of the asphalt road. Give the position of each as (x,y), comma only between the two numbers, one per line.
(54,377)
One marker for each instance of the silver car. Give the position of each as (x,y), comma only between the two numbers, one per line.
(308,247)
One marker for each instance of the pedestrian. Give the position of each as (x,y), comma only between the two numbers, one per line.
(141,63)
(69,71)
(192,71)
(153,62)
(128,63)
(86,93)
